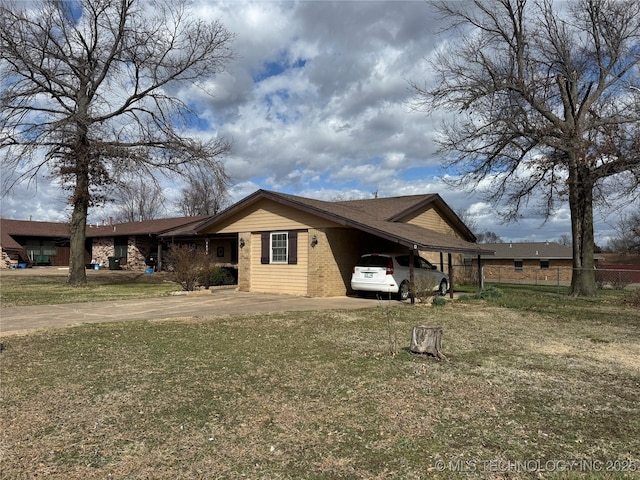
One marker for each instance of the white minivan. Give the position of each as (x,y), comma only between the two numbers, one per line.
(389,273)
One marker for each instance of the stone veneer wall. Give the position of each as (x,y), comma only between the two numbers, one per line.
(137,251)
(6,261)
(101,249)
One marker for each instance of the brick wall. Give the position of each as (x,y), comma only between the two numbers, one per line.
(333,259)
(327,262)
(504,270)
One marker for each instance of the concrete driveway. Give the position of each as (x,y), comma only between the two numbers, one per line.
(214,303)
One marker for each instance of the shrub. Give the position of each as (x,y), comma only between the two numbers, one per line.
(188,265)
(489,292)
(223,276)
(633,297)
(439,301)
(423,289)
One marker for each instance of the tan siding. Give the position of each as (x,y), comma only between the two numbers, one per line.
(267,215)
(432,220)
(275,278)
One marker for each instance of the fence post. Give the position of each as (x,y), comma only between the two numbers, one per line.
(558,280)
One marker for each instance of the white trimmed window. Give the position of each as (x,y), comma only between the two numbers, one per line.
(279,247)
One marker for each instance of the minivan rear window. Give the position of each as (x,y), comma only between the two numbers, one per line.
(373,261)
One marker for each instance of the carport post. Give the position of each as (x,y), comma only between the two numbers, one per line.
(480,271)
(450,275)
(159,264)
(411,278)
(206,249)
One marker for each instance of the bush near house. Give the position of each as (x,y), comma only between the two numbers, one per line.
(188,265)
(223,276)
(424,289)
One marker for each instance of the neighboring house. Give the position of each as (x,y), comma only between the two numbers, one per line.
(528,261)
(33,243)
(296,245)
(47,243)
(130,243)
(621,268)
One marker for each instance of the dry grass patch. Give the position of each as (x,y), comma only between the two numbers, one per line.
(21,288)
(318,395)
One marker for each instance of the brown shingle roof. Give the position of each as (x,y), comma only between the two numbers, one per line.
(26,228)
(531,250)
(378,216)
(146,227)
(9,229)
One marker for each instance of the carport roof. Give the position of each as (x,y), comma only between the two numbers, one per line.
(378,216)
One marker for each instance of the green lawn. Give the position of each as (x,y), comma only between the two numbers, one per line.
(533,381)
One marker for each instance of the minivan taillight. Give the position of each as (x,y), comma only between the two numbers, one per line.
(390,267)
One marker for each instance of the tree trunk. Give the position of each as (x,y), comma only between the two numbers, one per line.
(427,340)
(583,280)
(77,273)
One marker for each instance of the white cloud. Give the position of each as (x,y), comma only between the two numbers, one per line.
(316,104)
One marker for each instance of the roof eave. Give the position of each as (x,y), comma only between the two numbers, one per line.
(340,220)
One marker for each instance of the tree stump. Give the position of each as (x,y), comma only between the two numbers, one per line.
(427,340)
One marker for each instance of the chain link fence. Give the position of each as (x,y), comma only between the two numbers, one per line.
(617,277)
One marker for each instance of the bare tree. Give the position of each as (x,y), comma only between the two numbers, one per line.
(89,91)
(564,239)
(547,104)
(488,237)
(138,199)
(205,194)
(468,219)
(627,239)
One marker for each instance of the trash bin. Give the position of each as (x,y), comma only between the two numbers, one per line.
(151,260)
(114,263)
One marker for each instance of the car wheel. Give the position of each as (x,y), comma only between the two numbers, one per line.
(442,290)
(403,291)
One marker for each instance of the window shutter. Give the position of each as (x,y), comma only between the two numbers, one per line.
(264,254)
(293,248)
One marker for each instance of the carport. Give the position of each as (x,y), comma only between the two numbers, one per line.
(416,239)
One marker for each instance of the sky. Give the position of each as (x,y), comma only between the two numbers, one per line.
(317,104)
